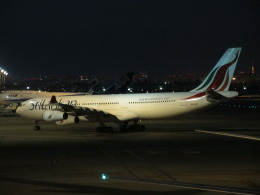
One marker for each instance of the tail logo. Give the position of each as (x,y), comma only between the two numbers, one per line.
(221,74)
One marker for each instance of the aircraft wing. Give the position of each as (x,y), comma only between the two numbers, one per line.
(95,114)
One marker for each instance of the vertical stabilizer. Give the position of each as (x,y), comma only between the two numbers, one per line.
(121,85)
(220,77)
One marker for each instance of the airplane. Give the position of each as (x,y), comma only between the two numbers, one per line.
(125,108)
(11,99)
(121,85)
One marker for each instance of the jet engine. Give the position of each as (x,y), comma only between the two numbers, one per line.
(54,115)
(69,121)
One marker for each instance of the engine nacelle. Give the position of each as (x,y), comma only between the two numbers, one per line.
(54,116)
(69,121)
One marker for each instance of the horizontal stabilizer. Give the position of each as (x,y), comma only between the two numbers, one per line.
(214,96)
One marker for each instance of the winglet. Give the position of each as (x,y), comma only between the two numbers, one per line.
(53,100)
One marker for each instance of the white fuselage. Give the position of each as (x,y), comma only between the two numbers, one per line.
(125,106)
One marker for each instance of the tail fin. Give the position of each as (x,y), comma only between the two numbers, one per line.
(121,85)
(220,77)
(92,85)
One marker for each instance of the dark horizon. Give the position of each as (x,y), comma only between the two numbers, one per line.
(111,38)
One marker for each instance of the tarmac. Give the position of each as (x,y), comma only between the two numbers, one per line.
(170,157)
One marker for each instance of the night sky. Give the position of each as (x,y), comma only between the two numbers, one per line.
(110,38)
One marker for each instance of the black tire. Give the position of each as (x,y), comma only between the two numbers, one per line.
(132,128)
(141,128)
(37,128)
(110,129)
(99,129)
(123,129)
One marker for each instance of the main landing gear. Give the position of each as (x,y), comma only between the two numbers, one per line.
(36,126)
(103,127)
(123,127)
(132,128)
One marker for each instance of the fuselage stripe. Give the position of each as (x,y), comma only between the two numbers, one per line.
(201,94)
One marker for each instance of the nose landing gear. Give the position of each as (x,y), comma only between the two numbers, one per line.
(36,126)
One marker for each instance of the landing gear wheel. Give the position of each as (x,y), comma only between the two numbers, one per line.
(104,129)
(123,129)
(132,128)
(110,129)
(141,128)
(37,128)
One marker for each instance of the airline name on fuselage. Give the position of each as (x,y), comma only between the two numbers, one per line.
(42,106)
(154,99)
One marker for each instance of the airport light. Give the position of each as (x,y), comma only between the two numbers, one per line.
(3,74)
(130,89)
(104,176)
